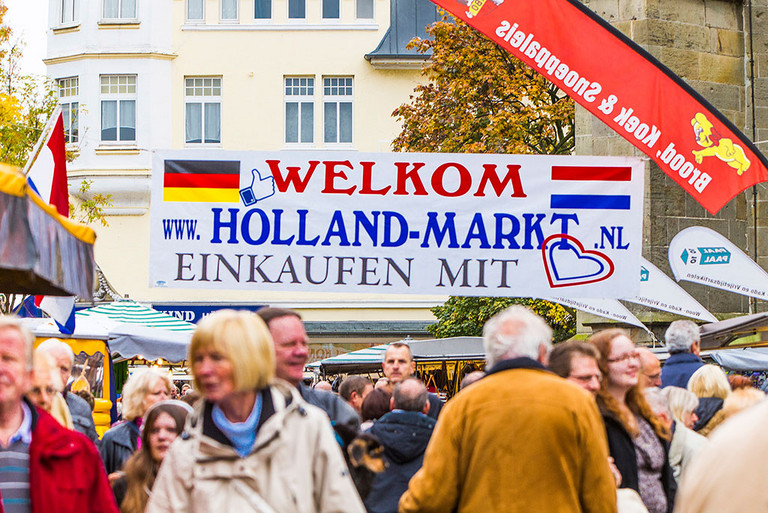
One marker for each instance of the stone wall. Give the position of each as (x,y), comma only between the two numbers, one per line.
(702,41)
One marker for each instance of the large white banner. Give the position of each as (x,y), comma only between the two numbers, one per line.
(608,308)
(659,291)
(401,223)
(704,256)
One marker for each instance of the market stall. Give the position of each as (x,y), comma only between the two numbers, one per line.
(440,363)
(41,252)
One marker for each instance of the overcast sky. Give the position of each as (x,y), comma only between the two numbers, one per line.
(28,20)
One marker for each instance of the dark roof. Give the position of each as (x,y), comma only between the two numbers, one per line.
(719,334)
(408,19)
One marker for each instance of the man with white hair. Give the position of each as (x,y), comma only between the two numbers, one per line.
(683,343)
(520,439)
(82,416)
(43,466)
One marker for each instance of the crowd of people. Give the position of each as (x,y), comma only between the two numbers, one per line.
(582,426)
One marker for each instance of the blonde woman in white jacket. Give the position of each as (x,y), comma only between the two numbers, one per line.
(252,444)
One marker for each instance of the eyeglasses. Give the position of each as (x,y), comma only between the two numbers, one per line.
(587,378)
(624,357)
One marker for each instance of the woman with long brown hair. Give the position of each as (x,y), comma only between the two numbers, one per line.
(163,422)
(637,439)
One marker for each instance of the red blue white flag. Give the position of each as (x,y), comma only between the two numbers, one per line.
(47,176)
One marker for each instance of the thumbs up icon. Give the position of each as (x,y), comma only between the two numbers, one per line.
(260,189)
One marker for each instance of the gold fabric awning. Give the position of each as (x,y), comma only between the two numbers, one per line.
(41,252)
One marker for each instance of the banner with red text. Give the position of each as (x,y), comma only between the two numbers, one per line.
(400,223)
(626,88)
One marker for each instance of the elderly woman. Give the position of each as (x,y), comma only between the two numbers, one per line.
(638,440)
(46,388)
(710,385)
(142,390)
(686,443)
(252,443)
(163,422)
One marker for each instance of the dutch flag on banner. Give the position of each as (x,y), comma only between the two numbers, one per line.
(47,176)
(573,175)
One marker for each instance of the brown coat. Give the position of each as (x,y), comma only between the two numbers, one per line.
(519,440)
(729,474)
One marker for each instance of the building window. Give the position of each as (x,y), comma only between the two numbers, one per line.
(69,89)
(229,10)
(337,109)
(262,9)
(364,9)
(118,107)
(195,10)
(299,109)
(297,9)
(330,9)
(202,97)
(120,9)
(67,11)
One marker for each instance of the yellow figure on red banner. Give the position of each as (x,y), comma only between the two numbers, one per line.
(714,145)
(476,5)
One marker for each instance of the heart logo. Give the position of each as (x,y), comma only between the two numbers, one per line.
(568,264)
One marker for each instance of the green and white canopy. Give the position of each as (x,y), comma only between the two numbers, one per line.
(130,312)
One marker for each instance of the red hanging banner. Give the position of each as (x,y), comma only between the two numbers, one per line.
(627,88)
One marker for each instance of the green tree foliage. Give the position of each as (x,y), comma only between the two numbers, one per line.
(481,99)
(465,316)
(91,207)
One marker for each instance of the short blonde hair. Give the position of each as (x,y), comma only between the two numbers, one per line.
(242,338)
(136,389)
(682,402)
(709,381)
(740,400)
(44,363)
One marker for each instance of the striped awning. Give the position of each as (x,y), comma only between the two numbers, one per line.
(131,312)
(368,355)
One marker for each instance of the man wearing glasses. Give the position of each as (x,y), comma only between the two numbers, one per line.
(577,362)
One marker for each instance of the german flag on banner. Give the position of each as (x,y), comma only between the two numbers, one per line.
(212,181)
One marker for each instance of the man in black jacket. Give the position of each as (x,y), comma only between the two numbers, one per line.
(398,365)
(404,432)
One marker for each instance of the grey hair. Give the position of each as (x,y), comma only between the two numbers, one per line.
(515,332)
(682,402)
(54,344)
(681,335)
(11,322)
(410,395)
(657,400)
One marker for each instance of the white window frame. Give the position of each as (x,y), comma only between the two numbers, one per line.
(299,90)
(338,9)
(266,19)
(338,90)
(187,5)
(129,93)
(288,11)
(202,90)
(69,92)
(222,19)
(68,12)
(357,10)
(119,10)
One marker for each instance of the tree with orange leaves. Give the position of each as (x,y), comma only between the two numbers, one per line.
(481,99)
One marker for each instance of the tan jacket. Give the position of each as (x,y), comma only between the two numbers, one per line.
(730,473)
(686,443)
(519,440)
(295,466)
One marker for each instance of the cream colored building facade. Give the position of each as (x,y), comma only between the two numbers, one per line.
(138,76)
